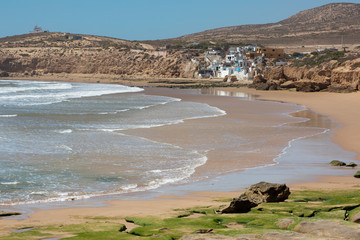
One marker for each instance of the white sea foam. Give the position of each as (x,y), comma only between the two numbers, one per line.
(38,86)
(9,183)
(129,187)
(64,147)
(64,131)
(57,92)
(8,116)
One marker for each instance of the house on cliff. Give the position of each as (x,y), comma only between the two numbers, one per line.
(38,29)
(276,53)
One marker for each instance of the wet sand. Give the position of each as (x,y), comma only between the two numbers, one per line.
(340,107)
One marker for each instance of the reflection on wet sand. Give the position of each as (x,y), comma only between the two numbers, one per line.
(225,93)
(314,120)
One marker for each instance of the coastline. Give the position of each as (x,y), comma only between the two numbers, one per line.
(163,205)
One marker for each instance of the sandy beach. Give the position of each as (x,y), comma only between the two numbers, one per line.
(339,107)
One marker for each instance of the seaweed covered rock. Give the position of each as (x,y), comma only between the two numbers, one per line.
(357,174)
(337,163)
(352,164)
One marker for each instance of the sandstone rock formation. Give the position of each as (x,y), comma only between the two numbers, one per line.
(341,75)
(49,53)
(267,192)
(257,194)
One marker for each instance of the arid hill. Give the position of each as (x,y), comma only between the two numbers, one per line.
(325,25)
(51,53)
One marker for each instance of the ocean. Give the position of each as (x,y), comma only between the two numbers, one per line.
(62,141)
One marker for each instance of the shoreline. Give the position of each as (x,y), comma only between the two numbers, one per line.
(164,204)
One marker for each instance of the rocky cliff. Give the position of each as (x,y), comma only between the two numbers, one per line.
(309,75)
(47,53)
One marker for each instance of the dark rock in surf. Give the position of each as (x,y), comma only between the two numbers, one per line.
(337,163)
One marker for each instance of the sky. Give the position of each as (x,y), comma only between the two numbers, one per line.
(143,19)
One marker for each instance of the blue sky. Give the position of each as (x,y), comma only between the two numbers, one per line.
(143,19)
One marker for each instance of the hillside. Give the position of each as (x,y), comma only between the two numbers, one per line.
(328,24)
(51,53)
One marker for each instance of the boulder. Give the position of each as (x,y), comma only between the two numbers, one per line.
(225,79)
(267,192)
(240,205)
(310,86)
(355,218)
(4,74)
(265,86)
(288,84)
(357,174)
(352,164)
(259,79)
(122,228)
(342,88)
(275,73)
(8,214)
(256,194)
(337,163)
(329,229)
(285,223)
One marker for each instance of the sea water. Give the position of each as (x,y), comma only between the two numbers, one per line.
(62,141)
(65,141)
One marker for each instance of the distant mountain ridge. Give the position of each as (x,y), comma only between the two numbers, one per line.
(324,25)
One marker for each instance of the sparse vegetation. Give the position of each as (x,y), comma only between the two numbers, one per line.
(302,205)
(316,58)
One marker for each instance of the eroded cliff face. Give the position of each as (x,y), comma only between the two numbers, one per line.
(125,63)
(340,76)
(50,53)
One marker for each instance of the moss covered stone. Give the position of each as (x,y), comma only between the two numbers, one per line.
(337,163)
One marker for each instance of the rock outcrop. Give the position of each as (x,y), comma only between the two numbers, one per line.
(256,194)
(328,228)
(341,75)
